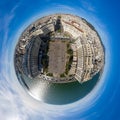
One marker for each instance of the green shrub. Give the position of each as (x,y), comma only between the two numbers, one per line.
(62,75)
(50,74)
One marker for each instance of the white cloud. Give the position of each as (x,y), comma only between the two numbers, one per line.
(88,6)
(64,7)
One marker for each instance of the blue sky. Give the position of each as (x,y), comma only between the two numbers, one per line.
(103,101)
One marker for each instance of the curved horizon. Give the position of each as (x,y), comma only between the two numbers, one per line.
(93,106)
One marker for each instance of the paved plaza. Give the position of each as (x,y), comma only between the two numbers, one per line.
(57,57)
